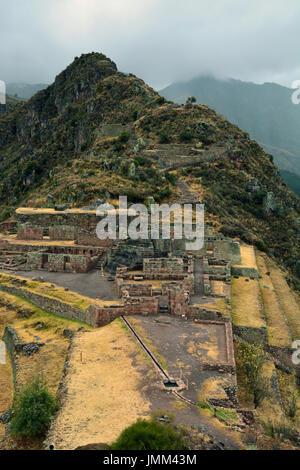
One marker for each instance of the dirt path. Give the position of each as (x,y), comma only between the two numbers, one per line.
(187,196)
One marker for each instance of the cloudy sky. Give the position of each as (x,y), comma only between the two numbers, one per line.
(161,41)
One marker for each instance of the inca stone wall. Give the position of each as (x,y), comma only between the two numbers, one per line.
(84,220)
(26,232)
(252,335)
(60,262)
(135,290)
(11,339)
(92,240)
(54,306)
(244,272)
(168,265)
(131,306)
(63,232)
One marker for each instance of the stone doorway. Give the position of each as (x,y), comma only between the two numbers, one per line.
(164,304)
(67,264)
(45,261)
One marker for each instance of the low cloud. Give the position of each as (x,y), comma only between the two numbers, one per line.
(160,41)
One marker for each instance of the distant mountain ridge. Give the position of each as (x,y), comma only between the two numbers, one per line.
(265,111)
(24,90)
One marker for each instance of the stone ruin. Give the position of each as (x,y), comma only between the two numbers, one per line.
(65,240)
(46,239)
(153,278)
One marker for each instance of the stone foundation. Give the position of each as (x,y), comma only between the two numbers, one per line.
(104,315)
(26,232)
(54,306)
(60,262)
(63,232)
(252,335)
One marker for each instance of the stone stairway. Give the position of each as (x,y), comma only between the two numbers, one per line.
(187,196)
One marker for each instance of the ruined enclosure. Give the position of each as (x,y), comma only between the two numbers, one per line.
(50,240)
(60,259)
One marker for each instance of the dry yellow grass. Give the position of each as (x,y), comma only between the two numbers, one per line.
(213,388)
(218,304)
(179,405)
(49,362)
(288,299)
(48,210)
(14,240)
(288,390)
(248,256)
(278,330)
(104,392)
(269,408)
(218,287)
(6,378)
(246,303)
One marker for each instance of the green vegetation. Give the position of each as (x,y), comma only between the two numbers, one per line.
(223,414)
(32,409)
(281,431)
(149,435)
(226,415)
(186,136)
(203,405)
(163,138)
(124,137)
(191,100)
(250,359)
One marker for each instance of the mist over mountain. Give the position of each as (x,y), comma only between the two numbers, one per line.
(265,111)
(24,90)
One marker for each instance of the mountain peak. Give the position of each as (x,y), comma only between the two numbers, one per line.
(93,65)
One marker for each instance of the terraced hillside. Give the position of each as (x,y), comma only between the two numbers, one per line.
(98,133)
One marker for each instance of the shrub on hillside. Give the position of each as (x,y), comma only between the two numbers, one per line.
(186,136)
(32,409)
(124,137)
(250,359)
(262,246)
(149,435)
(171,178)
(191,100)
(163,138)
